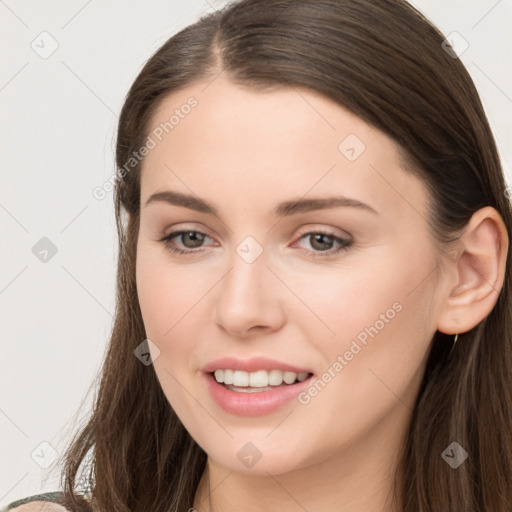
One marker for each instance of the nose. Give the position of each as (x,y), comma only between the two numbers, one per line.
(248,298)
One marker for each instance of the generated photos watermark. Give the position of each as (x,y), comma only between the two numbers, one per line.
(152,141)
(357,345)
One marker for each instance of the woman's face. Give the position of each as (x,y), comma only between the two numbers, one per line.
(356,306)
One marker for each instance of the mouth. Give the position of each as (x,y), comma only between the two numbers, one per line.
(257,393)
(259,381)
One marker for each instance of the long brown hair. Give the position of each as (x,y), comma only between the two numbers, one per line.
(385,62)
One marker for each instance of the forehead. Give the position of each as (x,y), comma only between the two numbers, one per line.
(218,137)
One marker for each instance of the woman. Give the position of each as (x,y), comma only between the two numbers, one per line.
(252,367)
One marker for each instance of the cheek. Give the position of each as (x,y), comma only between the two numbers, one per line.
(382,322)
(167,297)
(150,292)
(384,294)
(338,304)
(166,292)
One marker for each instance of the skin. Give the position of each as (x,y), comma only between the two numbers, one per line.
(244,152)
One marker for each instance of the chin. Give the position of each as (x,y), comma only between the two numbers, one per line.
(259,457)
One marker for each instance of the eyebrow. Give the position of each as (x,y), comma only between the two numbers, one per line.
(283,209)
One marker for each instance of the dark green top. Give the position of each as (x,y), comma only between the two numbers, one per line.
(56,497)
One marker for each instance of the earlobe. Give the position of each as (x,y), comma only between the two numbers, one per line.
(479,273)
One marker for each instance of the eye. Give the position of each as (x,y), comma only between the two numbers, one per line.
(319,240)
(194,237)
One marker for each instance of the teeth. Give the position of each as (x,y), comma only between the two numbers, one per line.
(275,377)
(228,376)
(289,377)
(258,379)
(240,378)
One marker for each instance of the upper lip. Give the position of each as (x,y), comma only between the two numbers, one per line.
(251,365)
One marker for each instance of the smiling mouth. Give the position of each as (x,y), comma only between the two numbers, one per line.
(258,381)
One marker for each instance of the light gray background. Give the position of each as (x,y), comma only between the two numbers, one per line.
(58,126)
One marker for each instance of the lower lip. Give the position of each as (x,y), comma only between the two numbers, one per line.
(256,403)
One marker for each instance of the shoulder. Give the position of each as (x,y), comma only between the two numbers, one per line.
(47,502)
(39,506)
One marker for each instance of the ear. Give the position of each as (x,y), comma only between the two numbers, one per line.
(478,273)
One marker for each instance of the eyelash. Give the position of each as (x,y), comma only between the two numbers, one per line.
(345,244)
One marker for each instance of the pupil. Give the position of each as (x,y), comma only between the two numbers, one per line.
(194,236)
(320,236)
